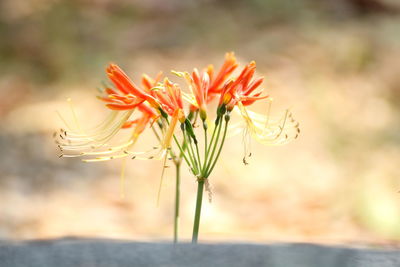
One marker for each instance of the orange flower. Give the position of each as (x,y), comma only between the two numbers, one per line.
(124,100)
(128,89)
(204,86)
(243,89)
(116,101)
(199,85)
(227,68)
(169,96)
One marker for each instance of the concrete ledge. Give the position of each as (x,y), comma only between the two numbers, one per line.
(110,253)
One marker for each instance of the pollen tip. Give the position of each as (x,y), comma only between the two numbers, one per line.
(133,157)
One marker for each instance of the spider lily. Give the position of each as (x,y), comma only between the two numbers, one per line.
(227,68)
(126,86)
(123,101)
(205,86)
(243,92)
(199,85)
(169,98)
(242,89)
(162,102)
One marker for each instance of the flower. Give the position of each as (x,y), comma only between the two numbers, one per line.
(126,86)
(204,87)
(126,98)
(169,97)
(199,85)
(227,68)
(242,89)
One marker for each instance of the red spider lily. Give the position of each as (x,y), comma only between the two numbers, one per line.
(119,99)
(129,89)
(216,84)
(199,84)
(169,96)
(204,86)
(242,89)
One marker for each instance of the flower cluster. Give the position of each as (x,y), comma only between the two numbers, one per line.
(172,114)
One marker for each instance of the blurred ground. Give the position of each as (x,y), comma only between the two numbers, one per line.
(334,63)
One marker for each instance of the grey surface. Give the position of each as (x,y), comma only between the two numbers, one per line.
(109,253)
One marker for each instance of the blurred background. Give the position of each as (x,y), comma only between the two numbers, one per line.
(335,63)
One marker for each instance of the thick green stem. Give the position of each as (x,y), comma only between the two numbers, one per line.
(177,200)
(199,199)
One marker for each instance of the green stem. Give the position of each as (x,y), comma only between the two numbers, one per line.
(192,153)
(205,142)
(199,199)
(192,164)
(198,155)
(182,150)
(177,200)
(208,171)
(207,166)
